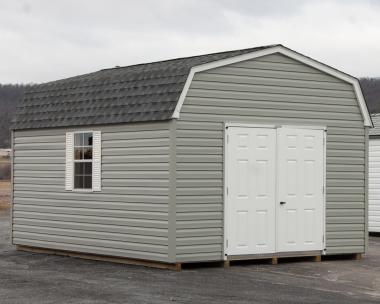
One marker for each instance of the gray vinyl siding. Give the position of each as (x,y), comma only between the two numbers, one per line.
(127,218)
(271,90)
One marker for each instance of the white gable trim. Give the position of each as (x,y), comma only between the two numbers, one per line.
(287,52)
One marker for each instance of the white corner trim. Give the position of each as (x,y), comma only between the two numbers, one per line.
(287,52)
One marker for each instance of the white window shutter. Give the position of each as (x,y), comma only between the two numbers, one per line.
(97,161)
(69,173)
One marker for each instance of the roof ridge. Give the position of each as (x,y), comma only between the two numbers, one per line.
(193,56)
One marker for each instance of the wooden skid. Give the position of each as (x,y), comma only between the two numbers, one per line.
(274,260)
(128,261)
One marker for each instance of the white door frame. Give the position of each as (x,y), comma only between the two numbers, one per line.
(225,196)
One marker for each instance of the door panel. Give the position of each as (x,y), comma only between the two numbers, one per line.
(300,189)
(251,190)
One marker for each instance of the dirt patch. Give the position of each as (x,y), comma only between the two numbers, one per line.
(5,194)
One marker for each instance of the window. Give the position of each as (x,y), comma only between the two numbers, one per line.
(83,144)
(83,161)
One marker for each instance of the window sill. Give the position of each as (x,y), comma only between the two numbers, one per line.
(82,190)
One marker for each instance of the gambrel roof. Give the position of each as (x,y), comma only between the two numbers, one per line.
(144,92)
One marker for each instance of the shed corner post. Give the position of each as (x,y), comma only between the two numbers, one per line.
(366,160)
(12,185)
(172,212)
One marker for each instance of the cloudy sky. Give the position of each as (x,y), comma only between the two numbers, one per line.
(42,40)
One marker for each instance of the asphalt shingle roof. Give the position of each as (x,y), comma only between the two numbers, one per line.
(143,92)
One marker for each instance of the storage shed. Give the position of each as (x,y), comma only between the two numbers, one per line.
(374,175)
(243,154)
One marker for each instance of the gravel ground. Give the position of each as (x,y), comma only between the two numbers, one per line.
(39,278)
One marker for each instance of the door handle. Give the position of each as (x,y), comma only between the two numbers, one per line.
(282,203)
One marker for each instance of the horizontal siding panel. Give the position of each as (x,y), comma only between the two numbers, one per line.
(345,160)
(345,220)
(199,224)
(222,78)
(345,153)
(135,166)
(156,142)
(344,250)
(200,166)
(202,207)
(205,199)
(278,105)
(345,175)
(143,126)
(272,113)
(200,142)
(346,205)
(135,159)
(39,160)
(91,242)
(345,131)
(345,227)
(345,242)
(92,196)
(257,88)
(39,153)
(269,96)
(138,134)
(93,219)
(189,150)
(164,150)
(40,173)
(199,240)
(127,214)
(268,73)
(124,190)
(345,190)
(92,249)
(192,125)
(56,138)
(296,119)
(201,182)
(359,212)
(136,174)
(217,175)
(40,146)
(199,232)
(196,257)
(190,216)
(200,158)
(122,237)
(209,248)
(345,235)
(199,191)
(140,231)
(155,207)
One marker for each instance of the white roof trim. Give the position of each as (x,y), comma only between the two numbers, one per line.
(287,52)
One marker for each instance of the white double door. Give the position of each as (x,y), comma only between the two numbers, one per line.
(274,190)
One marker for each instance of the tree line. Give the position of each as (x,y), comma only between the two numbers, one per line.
(11,94)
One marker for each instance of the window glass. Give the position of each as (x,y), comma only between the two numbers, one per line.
(83,160)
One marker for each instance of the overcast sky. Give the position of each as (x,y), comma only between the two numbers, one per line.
(43,40)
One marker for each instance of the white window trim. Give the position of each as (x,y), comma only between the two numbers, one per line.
(287,52)
(74,161)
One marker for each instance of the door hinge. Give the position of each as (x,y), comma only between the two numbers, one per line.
(227,243)
(227,190)
(228,138)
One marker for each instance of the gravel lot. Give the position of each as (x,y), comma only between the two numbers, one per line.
(38,278)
